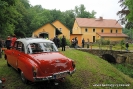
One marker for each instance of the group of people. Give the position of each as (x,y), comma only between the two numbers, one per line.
(74,42)
(8,43)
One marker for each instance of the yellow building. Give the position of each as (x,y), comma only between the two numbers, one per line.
(94,29)
(51,30)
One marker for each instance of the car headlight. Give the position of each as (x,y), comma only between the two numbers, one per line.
(34,70)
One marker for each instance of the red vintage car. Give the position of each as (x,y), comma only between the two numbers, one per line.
(38,59)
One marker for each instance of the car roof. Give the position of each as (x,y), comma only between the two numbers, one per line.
(27,41)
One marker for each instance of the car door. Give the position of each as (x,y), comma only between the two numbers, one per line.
(11,56)
(17,53)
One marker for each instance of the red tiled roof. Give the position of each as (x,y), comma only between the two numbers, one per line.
(112,34)
(93,22)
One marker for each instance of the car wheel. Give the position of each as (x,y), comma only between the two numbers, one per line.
(8,64)
(24,80)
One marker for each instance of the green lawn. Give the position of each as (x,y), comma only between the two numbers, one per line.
(92,72)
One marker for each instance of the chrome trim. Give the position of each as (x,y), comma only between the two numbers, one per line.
(37,79)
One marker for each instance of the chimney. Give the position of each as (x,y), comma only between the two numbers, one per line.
(100,18)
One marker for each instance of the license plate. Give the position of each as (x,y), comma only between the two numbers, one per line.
(60,75)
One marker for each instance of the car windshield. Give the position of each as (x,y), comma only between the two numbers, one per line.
(42,47)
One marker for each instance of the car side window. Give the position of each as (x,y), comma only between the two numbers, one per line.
(20,46)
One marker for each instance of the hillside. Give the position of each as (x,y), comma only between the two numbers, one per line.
(92,72)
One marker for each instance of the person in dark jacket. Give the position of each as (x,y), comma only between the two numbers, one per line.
(127,45)
(63,41)
(76,42)
(56,41)
(8,42)
(83,42)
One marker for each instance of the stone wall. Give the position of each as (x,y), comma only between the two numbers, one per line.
(120,56)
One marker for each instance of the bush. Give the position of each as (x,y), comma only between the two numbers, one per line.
(103,42)
(68,43)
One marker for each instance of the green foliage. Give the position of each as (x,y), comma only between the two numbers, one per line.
(122,43)
(129,4)
(128,32)
(126,14)
(68,42)
(103,42)
(125,68)
(82,13)
(8,14)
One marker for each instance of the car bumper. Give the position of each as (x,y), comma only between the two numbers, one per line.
(53,77)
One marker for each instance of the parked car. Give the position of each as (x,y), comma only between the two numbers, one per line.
(38,59)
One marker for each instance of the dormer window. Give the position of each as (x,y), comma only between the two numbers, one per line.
(93,29)
(60,29)
(102,30)
(86,30)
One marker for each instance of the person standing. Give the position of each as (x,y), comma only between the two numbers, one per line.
(56,41)
(63,41)
(76,42)
(83,43)
(73,43)
(127,45)
(8,42)
(13,40)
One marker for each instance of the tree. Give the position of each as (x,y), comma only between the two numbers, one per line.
(82,13)
(126,14)
(21,25)
(69,18)
(8,14)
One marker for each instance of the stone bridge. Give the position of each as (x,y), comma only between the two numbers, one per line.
(112,56)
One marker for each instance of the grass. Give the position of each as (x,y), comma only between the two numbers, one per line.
(125,68)
(92,72)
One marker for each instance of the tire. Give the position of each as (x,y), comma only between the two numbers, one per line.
(24,80)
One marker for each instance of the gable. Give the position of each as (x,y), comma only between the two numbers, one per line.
(44,27)
(48,29)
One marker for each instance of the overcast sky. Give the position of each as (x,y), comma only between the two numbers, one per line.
(105,8)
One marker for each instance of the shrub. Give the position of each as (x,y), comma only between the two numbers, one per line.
(103,42)
(68,43)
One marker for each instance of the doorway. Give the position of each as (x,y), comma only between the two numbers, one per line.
(93,38)
(43,35)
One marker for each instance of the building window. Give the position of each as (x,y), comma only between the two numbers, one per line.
(86,30)
(111,31)
(93,29)
(60,29)
(116,31)
(102,30)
